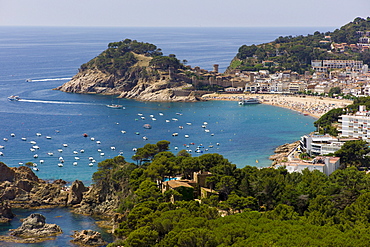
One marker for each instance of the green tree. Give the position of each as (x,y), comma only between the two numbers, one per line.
(354,153)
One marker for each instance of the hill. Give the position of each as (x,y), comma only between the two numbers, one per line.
(296,53)
(132,69)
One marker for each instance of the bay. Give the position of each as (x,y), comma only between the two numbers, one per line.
(50,56)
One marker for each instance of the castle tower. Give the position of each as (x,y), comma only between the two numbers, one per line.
(215,68)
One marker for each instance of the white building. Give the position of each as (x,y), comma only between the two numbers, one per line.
(356,125)
(323,164)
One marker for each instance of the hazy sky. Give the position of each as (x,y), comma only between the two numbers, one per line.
(189,13)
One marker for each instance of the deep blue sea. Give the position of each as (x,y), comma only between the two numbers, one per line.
(50,56)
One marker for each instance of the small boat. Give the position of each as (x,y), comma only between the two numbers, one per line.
(85,135)
(50,154)
(160,114)
(65,145)
(98,142)
(75,152)
(175,119)
(137,133)
(36,147)
(60,150)
(12,135)
(145,138)
(35,169)
(102,154)
(75,163)
(177,113)
(249,101)
(77,158)
(91,158)
(91,164)
(24,139)
(147,126)
(123,131)
(113,148)
(5,139)
(206,130)
(188,123)
(36,156)
(82,151)
(143,118)
(28,80)
(186,136)
(2,147)
(134,149)
(154,119)
(48,137)
(151,115)
(92,138)
(38,134)
(115,106)
(13,98)
(99,150)
(205,123)
(42,161)
(1,154)
(175,134)
(60,158)
(20,163)
(181,127)
(167,121)
(32,149)
(60,164)
(32,142)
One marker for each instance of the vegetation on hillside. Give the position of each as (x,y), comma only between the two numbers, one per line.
(296,53)
(264,207)
(120,56)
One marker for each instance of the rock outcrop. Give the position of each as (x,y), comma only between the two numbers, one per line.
(76,192)
(281,152)
(88,238)
(34,226)
(6,213)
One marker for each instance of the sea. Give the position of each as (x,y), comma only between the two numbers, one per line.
(47,126)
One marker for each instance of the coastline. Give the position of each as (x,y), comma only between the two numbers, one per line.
(314,106)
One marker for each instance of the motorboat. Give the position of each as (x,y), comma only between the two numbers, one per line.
(60,164)
(249,101)
(115,106)
(14,98)
(147,126)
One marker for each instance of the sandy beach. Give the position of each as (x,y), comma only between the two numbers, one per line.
(310,105)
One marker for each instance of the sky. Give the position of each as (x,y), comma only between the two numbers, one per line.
(183,13)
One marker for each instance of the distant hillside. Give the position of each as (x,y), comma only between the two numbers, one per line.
(296,53)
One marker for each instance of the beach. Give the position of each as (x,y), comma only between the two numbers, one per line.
(314,106)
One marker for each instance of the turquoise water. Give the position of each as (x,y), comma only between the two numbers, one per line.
(50,55)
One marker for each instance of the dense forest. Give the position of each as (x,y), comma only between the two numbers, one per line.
(296,53)
(249,206)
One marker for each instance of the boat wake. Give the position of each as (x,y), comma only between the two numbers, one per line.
(49,79)
(57,102)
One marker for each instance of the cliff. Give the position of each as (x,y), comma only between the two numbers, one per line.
(133,73)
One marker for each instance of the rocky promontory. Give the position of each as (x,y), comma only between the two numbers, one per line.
(133,70)
(88,238)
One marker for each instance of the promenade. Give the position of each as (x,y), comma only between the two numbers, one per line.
(314,106)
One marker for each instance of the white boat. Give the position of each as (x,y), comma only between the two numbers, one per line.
(186,136)
(82,151)
(92,138)
(36,156)
(14,98)
(1,154)
(175,134)
(98,142)
(35,169)
(29,80)
(65,145)
(249,101)
(75,152)
(123,131)
(42,161)
(77,158)
(91,164)
(38,134)
(113,148)
(60,150)
(75,163)
(145,138)
(50,154)
(24,139)
(115,106)
(60,164)
(33,142)
(12,135)
(36,147)
(48,137)
(5,139)
(2,147)
(102,154)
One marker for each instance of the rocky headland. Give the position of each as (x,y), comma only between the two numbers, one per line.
(133,70)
